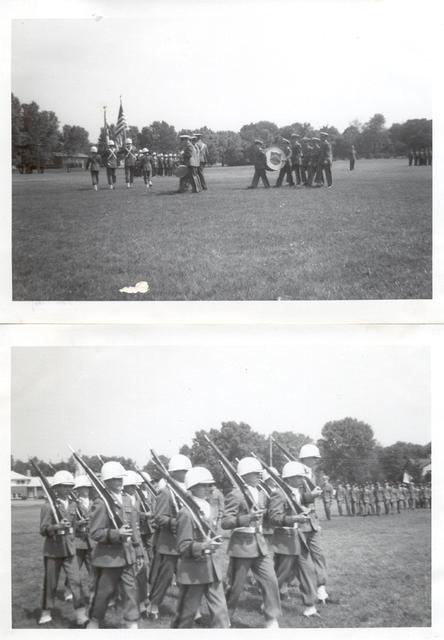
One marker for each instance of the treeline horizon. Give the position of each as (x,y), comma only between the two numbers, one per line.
(36,135)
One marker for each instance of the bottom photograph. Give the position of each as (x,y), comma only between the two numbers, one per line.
(269,486)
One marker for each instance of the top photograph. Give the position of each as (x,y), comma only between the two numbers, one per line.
(242,154)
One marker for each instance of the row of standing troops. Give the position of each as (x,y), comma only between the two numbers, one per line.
(420,157)
(139,561)
(374,498)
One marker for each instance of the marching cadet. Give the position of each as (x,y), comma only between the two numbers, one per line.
(428,496)
(286,167)
(154,163)
(131,481)
(93,163)
(410,157)
(216,500)
(387,498)
(130,160)
(82,486)
(401,496)
(145,164)
(110,162)
(292,555)
(340,498)
(118,555)
(313,163)
(199,568)
(355,499)
(190,158)
(59,550)
(394,498)
(327,496)
(247,548)
(305,161)
(260,165)
(325,158)
(296,157)
(166,552)
(372,498)
(352,157)
(379,498)
(348,504)
(203,158)
(309,456)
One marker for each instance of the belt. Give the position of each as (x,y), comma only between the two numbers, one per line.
(257,529)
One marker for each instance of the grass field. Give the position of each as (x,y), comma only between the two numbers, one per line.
(379,571)
(370,237)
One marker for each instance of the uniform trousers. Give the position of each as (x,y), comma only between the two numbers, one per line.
(52,567)
(200,173)
(95,177)
(106,581)
(387,507)
(378,507)
(163,570)
(285,171)
(348,507)
(129,174)
(83,558)
(192,178)
(297,172)
(111,175)
(340,508)
(353,507)
(313,539)
(300,566)
(190,596)
(326,168)
(146,176)
(352,164)
(259,173)
(327,509)
(263,571)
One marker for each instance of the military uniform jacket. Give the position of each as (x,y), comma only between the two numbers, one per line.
(194,565)
(195,156)
(187,154)
(203,151)
(394,494)
(57,545)
(286,537)
(165,518)
(307,500)
(129,156)
(325,153)
(341,494)
(296,153)
(145,162)
(355,494)
(327,492)
(260,159)
(81,530)
(110,550)
(379,494)
(93,162)
(110,159)
(246,541)
(387,494)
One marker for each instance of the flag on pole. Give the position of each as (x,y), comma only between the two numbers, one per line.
(406,478)
(121,127)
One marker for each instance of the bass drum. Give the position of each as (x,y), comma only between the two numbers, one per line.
(181,171)
(275,158)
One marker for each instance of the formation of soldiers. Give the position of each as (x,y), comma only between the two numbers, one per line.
(306,162)
(136,537)
(193,156)
(420,157)
(375,498)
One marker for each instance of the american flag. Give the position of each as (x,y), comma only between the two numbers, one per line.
(120,127)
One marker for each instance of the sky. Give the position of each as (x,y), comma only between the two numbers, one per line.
(225,64)
(120,400)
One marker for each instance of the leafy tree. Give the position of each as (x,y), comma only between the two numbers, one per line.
(374,140)
(400,457)
(264,130)
(159,136)
(291,441)
(16,128)
(347,448)
(412,134)
(230,148)
(75,139)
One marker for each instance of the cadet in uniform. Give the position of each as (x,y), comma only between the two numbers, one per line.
(348,499)
(296,158)
(82,485)
(327,497)
(387,498)
(203,158)
(110,162)
(199,569)
(352,157)
(355,499)
(166,552)
(118,554)
(313,162)
(305,161)
(130,160)
(145,164)
(286,167)
(191,160)
(260,165)
(379,498)
(59,550)
(340,498)
(325,158)
(292,555)
(247,547)
(93,163)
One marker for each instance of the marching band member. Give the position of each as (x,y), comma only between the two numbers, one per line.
(59,549)
(145,164)
(130,161)
(260,165)
(247,547)
(199,569)
(286,168)
(110,162)
(94,162)
(166,551)
(203,158)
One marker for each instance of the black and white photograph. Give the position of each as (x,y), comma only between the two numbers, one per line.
(236,151)
(279,485)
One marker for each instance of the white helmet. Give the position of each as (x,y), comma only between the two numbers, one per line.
(266,475)
(132,478)
(63,477)
(146,475)
(309,451)
(144,150)
(179,463)
(93,149)
(293,468)
(198,475)
(248,465)
(128,141)
(82,481)
(112,469)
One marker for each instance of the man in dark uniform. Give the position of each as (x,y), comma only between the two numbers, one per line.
(327,496)
(110,162)
(296,157)
(130,159)
(313,162)
(305,161)
(352,157)
(260,165)
(325,158)
(203,158)
(189,159)
(286,167)
(93,163)
(340,498)
(145,165)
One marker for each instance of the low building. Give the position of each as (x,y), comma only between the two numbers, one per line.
(19,486)
(69,161)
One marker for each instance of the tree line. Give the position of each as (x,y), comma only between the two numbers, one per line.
(349,450)
(36,135)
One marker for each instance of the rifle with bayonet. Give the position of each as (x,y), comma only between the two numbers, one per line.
(53,501)
(309,484)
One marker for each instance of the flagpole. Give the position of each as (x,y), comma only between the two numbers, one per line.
(105,126)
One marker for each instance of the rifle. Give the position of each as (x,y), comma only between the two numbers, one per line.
(233,475)
(184,497)
(112,507)
(285,488)
(309,484)
(150,487)
(263,485)
(50,495)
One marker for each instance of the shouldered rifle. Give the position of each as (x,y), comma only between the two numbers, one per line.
(111,505)
(285,488)
(186,499)
(50,495)
(309,484)
(233,475)
(150,487)
(263,485)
